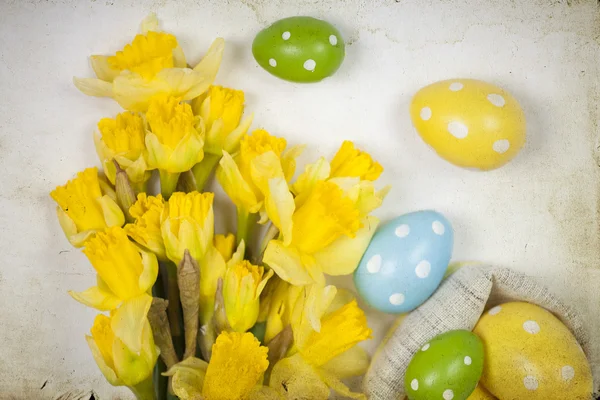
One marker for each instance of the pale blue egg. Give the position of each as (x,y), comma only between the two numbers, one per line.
(405,261)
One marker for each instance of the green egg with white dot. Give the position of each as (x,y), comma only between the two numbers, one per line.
(448,367)
(299,49)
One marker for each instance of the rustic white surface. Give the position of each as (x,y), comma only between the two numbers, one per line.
(538,214)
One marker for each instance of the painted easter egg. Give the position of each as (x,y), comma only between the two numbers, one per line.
(470,123)
(405,261)
(531,355)
(299,49)
(480,393)
(448,367)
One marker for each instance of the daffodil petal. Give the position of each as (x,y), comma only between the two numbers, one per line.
(133,92)
(337,385)
(150,271)
(287,263)
(188,153)
(188,377)
(185,83)
(351,186)
(263,168)
(212,267)
(113,215)
(209,65)
(309,309)
(96,298)
(280,207)
(233,183)
(137,170)
(103,69)
(352,362)
(179,60)
(288,160)
(150,23)
(313,173)
(342,297)
(107,371)
(77,239)
(295,379)
(94,87)
(129,319)
(232,141)
(369,199)
(135,367)
(238,255)
(156,151)
(343,255)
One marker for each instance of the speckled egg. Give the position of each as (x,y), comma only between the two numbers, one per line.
(405,261)
(480,393)
(448,367)
(299,49)
(469,123)
(531,355)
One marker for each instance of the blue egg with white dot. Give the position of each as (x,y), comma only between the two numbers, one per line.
(405,261)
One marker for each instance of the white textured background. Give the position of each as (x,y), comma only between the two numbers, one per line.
(539,214)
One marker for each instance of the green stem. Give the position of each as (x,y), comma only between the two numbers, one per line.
(139,187)
(203,169)
(245,223)
(174,309)
(144,390)
(168,183)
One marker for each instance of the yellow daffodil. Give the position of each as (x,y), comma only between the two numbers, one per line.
(329,235)
(301,307)
(145,231)
(221,110)
(242,286)
(349,167)
(187,223)
(234,372)
(118,363)
(122,140)
(86,205)
(175,140)
(256,180)
(125,276)
(325,357)
(352,162)
(212,268)
(152,63)
(225,245)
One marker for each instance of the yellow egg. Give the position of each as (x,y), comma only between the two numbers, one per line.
(481,394)
(530,354)
(472,124)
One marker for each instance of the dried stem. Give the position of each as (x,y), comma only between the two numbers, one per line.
(186,183)
(162,332)
(188,277)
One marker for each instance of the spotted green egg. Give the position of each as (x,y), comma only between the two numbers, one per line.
(447,368)
(299,49)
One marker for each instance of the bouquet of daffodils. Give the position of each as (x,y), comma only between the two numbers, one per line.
(189,313)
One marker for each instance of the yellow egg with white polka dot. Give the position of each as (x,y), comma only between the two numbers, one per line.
(481,394)
(470,123)
(530,354)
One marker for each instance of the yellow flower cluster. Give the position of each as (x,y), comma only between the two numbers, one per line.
(222,289)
